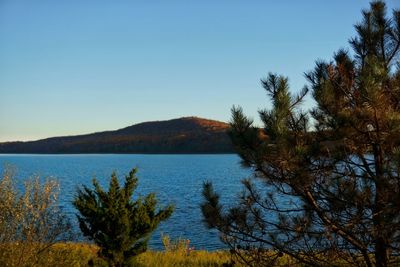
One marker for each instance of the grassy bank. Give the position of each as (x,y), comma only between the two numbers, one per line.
(82,254)
(195,258)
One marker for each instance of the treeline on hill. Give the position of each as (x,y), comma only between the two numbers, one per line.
(184,135)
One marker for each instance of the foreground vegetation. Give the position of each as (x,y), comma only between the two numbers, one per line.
(34,231)
(31,222)
(327,185)
(119,225)
(84,254)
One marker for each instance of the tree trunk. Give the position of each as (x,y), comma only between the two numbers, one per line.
(378,215)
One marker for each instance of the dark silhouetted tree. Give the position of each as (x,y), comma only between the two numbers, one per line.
(326,193)
(119,225)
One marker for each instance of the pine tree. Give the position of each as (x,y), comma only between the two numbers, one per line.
(119,225)
(327,193)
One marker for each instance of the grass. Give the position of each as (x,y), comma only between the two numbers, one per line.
(59,254)
(79,254)
(84,254)
(174,258)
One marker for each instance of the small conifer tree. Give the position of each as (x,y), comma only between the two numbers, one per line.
(119,225)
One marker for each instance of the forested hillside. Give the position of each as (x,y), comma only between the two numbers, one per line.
(183,135)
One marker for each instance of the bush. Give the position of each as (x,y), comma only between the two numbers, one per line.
(31,221)
(179,245)
(120,226)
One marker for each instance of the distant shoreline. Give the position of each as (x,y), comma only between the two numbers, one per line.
(188,135)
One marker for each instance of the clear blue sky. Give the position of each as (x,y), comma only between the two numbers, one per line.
(72,67)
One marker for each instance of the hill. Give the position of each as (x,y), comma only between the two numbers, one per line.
(183,135)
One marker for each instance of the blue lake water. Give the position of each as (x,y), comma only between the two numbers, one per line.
(176,179)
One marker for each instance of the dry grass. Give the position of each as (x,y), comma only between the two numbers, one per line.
(79,254)
(195,258)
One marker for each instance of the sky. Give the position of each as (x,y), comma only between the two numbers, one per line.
(76,67)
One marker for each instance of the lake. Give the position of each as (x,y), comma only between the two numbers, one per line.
(176,179)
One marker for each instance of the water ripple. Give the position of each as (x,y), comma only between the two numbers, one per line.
(176,179)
